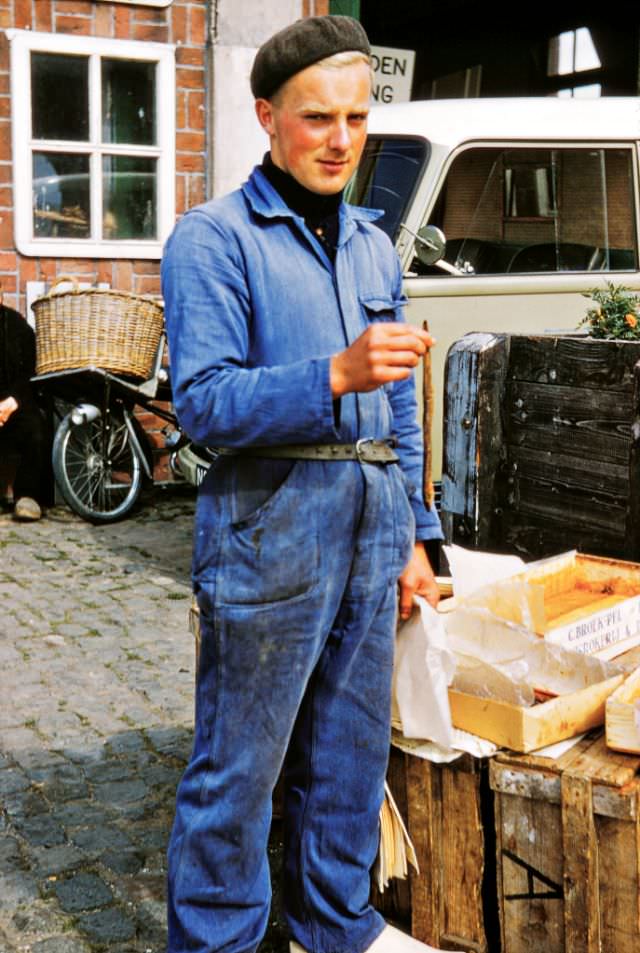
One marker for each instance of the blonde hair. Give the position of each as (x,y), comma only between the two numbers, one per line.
(346,58)
(335,61)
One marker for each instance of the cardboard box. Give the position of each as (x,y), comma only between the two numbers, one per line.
(524,729)
(588,604)
(622,716)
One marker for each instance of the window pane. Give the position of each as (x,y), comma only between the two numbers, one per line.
(60,97)
(129,197)
(529,190)
(521,211)
(128,102)
(61,196)
(593,91)
(387,177)
(586,56)
(566,50)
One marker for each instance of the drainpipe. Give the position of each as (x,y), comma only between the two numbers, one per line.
(212,37)
(236,28)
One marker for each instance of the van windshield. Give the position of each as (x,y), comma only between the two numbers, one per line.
(387,177)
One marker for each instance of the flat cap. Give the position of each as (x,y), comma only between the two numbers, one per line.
(302,44)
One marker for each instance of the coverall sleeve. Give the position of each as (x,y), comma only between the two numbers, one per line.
(218,398)
(411,448)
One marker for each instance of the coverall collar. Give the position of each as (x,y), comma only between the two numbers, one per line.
(266,201)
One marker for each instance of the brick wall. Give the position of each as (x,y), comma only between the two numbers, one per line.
(182,23)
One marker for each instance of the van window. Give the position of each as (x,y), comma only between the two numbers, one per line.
(526,210)
(387,176)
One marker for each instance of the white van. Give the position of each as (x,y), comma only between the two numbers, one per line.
(504,212)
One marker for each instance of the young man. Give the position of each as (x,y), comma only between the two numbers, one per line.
(288,350)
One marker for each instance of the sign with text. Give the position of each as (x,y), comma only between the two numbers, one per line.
(392,74)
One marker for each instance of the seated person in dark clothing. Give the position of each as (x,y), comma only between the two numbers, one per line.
(23,428)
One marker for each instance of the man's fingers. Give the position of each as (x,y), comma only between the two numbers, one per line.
(401,337)
(399,327)
(406,603)
(384,353)
(394,358)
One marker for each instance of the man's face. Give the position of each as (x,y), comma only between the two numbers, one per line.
(318,124)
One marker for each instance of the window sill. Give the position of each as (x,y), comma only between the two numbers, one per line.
(68,248)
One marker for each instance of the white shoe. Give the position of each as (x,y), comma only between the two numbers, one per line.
(27,510)
(390,940)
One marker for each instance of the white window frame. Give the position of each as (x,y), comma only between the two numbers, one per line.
(23,43)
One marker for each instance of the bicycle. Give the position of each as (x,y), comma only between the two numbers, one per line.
(101,454)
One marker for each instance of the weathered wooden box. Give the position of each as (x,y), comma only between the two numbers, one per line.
(521,853)
(541,445)
(622,716)
(568,850)
(452,902)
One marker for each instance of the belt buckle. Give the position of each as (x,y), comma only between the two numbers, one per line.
(361,450)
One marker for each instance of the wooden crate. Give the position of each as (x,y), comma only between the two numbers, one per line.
(451,903)
(540,445)
(568,850)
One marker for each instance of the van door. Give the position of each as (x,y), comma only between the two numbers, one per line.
(530,229)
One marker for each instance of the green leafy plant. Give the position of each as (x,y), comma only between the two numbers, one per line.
(615,313)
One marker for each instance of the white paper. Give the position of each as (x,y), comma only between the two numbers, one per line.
(423,670)
(471,570)
(463,742)
(504,661)
(556,750)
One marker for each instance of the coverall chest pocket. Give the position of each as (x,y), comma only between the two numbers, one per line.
(381,307)
(271,554)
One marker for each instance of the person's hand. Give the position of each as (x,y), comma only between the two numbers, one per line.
(7,407)
(386,351)
(417,578)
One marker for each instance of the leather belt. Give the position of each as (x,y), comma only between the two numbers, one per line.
(364,451)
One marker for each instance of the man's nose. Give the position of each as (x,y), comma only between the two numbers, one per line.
(339,137)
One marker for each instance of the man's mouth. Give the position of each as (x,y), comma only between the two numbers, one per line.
(333,163)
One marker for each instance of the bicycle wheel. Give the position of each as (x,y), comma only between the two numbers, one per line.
(97,468)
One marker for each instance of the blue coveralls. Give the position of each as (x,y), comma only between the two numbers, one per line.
(295,568)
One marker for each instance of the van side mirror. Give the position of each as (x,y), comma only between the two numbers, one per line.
(430,244)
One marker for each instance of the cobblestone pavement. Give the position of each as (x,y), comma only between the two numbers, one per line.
(96,681)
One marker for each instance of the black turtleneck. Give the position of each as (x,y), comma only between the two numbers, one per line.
(320,212)
(17,355)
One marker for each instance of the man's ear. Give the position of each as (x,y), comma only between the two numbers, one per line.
(264,112)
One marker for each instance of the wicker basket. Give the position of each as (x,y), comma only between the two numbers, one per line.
(115,330)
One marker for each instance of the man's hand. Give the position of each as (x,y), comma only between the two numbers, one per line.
(385,352)
(7,407)
(417,578)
